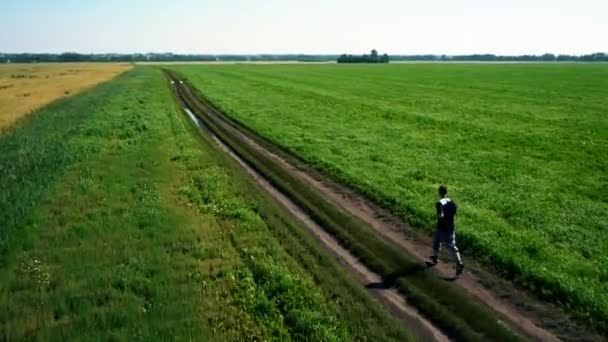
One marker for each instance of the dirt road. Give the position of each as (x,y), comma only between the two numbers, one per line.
(390,297)
(523,314)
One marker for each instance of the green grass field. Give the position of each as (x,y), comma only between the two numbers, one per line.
(120,222)
(523,148)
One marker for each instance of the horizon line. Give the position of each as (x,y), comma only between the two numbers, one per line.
(293,53)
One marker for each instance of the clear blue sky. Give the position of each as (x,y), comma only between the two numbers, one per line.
(306,26)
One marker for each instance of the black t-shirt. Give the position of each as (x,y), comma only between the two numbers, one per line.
(446,210)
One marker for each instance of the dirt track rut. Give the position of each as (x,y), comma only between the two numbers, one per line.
(390,297)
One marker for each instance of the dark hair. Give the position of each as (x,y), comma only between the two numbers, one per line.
(443,190)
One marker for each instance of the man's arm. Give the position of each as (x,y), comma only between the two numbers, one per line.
(439,210)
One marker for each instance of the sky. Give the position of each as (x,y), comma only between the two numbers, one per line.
(506,27)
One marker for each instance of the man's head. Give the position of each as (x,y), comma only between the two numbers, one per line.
(443,190)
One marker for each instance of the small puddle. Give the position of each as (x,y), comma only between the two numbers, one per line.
(198,122)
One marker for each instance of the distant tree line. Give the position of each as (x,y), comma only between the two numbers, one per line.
(547,57)
(373,57)
(156,57)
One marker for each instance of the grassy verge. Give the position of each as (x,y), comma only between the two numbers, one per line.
(446,305)
(521,147)
(120,224)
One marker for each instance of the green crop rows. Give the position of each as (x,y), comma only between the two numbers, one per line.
(522,147)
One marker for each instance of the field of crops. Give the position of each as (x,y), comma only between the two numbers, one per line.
(119,222)
(522,147)
(25,88)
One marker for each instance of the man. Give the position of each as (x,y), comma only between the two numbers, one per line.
(446,210)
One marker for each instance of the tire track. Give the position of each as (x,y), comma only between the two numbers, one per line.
(390,297)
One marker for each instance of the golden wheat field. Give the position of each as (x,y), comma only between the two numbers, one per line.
(27,87)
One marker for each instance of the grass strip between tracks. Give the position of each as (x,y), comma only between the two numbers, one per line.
(444,304)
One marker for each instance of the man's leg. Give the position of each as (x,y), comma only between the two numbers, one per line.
(450,243)
(436,246)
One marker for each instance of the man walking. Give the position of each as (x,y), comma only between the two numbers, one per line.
(445,233)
